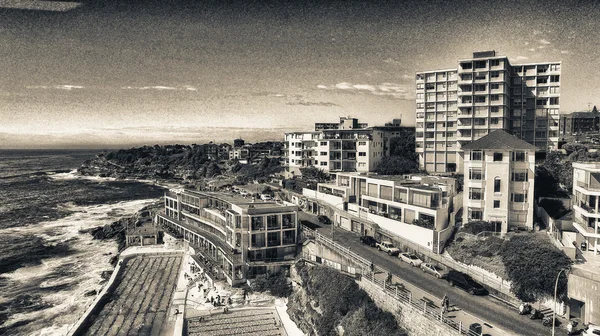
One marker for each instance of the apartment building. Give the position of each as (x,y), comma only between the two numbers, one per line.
(234,239)
(586,204)
(411,207)
(579,122)
(344,146)
(484,93)
(499,180)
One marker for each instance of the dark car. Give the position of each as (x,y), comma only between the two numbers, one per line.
(464,282)
(368,240)
(324,219)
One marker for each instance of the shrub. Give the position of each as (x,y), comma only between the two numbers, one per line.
(277,284)
(478,227)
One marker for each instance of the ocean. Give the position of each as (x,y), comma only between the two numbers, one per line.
(47,264)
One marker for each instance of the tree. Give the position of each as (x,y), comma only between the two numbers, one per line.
(313,173)
(213,169)
(532,264)
(395,165)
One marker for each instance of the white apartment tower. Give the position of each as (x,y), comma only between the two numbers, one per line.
(484,93)
(499,180)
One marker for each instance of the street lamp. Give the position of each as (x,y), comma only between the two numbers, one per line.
(555,290)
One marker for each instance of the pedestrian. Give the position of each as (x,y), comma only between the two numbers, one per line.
(444,303)
(447,304)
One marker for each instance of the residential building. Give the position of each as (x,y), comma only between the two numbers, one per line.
(586,204)
(410,207)
(484,93)
(240,153)
(579,122)
(224,150)
(344,146)
(498,181)
(234,239)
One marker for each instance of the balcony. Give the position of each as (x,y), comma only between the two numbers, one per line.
(585,229)
(588,187)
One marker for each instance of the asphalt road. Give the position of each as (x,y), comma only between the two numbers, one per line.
(486,308)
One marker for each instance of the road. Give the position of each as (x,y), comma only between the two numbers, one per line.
(486,308)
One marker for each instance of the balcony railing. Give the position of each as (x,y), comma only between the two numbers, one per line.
(587,186)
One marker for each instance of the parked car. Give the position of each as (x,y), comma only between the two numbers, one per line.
(266,197)
(368,240)
(591,330)
(410,258)
(436,271)
(324,219)
(464,282)
(388,247)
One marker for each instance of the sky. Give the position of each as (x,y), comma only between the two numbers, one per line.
(104,74)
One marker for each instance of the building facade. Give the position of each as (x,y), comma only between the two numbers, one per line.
(484,93)
(345,146)
(412,208)
(586,205)
(499,180)
(579,122)
(233,239)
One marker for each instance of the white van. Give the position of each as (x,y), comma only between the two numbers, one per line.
(266,197)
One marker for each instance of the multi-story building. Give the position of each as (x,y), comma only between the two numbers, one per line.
(579,122)
(416,208)
(233,239)
(499,180)
(586,204)
(484,93)
(345,146)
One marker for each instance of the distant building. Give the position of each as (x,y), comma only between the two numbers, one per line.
(234,239)
(238,143)
(499,180)
(345,146)
(586,204)
(580,122)
(224,150)
(484,93)
(416,208)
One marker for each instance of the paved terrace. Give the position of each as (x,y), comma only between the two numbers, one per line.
(259,322)
(139,304)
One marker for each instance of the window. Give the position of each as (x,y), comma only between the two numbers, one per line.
(495,97)
(495,86)
(496,204)
(323,153)
(362,153)
(554,67)
(362,143)
(323,163)
(475,213)
(494,62)
(475,174)
(518,198)
(479,99)
(475,194)
(419,95)
(494,121)
(476,155)
(519,156)
(429,86)
(420,86)
(323,143)
(494,109)
(519,176)
(494,74)
(554,101)
(466,65)
(555,78)
(497,157)
(480,64)
(497,185)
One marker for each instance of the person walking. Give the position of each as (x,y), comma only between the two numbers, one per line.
(445,303)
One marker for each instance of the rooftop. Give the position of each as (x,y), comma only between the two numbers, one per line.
(499,139)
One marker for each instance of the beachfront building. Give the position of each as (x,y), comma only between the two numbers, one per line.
(577,123)
(233,238)
(499,180)
(484,93)
(414,208)
(345,146)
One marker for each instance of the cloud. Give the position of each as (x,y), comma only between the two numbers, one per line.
(311,103)
(161,88)
(521,58)
(55,87)
(392,61)
(390,90)
(544,41)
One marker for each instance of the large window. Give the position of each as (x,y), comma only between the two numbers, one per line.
(258,240)
(475,174)
(475,214)
(257,223)
(475,194)
(476,155)
(287,221)
(519,176)
(289,237)
(497,157)
(273,239)
(518,198)
(272,222)
(519,156)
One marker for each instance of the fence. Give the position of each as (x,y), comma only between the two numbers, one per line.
(423,307)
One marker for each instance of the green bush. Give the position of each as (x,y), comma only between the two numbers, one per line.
(277,284)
